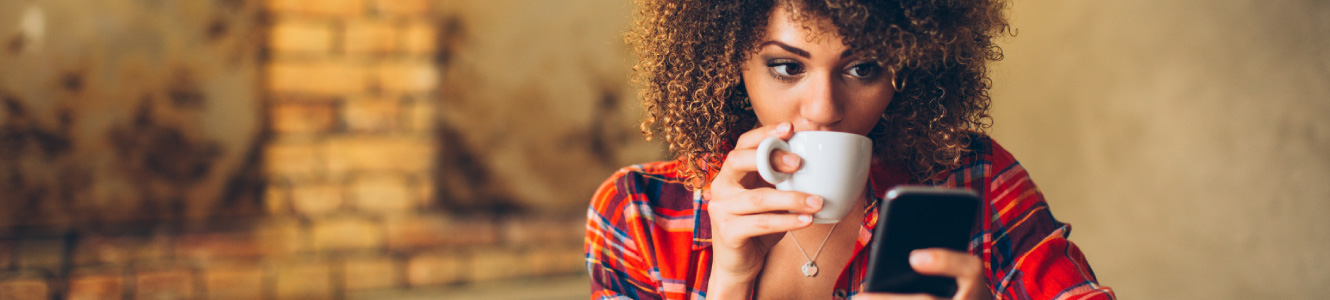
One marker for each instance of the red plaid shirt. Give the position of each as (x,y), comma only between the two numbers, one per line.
(649,237)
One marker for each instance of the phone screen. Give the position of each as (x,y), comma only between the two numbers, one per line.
(918,218)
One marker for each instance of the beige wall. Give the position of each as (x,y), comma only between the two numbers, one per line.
(119,111)
(538,92)
(1188,142)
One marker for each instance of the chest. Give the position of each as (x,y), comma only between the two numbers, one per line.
(783,275)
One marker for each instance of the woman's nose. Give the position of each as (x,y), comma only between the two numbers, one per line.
(821,106)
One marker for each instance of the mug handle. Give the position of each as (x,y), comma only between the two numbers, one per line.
(764,168)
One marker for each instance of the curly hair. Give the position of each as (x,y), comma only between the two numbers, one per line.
(691,52)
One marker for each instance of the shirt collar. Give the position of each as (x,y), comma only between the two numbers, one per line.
(882,177)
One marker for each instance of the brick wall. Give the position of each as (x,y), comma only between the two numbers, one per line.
(348,97)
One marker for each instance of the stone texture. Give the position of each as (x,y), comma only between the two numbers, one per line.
(561,260)
(218,245)
(234,282)
(379,153)
(324,77)
(282,236)
(24,289)
(373,115)
(121,250)
(316,199)
(300,160)
(435,269)
(498,263)
(96,287)
(556,260)
(411,8)
(164,284)
(40,253)
(431,230)
(528,230)
(422,116)
(304,117)
(386,193)
(346,233)
(409,76)
(420,37)
(426,191)
(304,280)
(277,199)
(301,36)
(338,8)
(7,253)
(370,36)
(368,273)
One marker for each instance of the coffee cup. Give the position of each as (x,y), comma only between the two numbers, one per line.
(835,166)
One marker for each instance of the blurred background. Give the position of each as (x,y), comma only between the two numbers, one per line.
(421,149)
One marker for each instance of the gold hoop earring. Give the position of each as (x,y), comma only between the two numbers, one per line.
(899,87)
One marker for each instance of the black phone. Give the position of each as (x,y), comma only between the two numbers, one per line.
(918,218)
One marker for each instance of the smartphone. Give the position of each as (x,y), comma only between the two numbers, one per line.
(918,218)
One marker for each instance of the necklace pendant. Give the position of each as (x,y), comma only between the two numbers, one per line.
(810,269)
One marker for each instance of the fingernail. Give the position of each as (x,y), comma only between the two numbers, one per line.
(918,258)
(814,201)
(784,127)
(805,218)
(791,160)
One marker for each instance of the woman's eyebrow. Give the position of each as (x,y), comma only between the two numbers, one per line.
(791,49)
(800,52)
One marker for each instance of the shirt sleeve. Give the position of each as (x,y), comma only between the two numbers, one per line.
(614,258)
(1054,269)
(1029,254)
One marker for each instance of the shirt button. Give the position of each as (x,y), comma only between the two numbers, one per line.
(840,294)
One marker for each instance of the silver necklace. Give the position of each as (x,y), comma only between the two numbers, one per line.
(810,269)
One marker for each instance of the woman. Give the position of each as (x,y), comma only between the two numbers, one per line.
(721,76)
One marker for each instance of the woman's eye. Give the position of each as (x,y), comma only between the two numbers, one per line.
(864,71)
(786,69)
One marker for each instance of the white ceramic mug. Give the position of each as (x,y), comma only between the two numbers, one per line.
(835,166)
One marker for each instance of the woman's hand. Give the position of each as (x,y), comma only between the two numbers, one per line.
(971,284)
(748,216)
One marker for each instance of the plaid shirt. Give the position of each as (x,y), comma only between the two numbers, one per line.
(649,237)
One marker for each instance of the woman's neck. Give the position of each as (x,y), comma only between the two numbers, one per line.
(782,276)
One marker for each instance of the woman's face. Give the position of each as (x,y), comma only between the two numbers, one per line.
(807,77)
